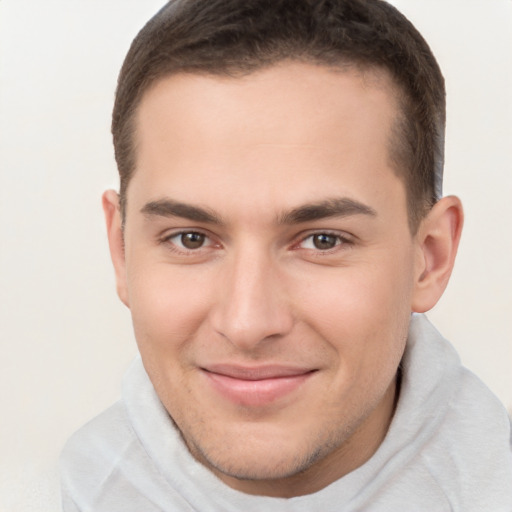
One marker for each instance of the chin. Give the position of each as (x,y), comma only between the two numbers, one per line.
(262,467)
(265,455)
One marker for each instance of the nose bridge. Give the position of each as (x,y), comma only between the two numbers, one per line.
(252,304)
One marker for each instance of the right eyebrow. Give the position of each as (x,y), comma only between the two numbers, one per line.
(333,207)
(170,208)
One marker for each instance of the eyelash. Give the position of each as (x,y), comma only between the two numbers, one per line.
(342,241)
(167,239)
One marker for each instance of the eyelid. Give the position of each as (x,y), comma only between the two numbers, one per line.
(166,238)
(344,238)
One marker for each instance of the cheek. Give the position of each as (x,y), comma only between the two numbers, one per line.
(167,305)
(362,311)
(349,299)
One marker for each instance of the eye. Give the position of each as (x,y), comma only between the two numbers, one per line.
(189,240)
(322,241)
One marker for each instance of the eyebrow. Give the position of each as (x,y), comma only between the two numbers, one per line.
(171,208)
(335,207)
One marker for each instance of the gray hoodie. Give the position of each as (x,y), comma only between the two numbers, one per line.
(448,449)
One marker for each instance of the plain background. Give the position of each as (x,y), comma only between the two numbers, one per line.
(65,338)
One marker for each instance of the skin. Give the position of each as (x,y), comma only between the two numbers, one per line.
(266,228)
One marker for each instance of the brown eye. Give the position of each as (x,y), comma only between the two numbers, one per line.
(192,240)
(324,241)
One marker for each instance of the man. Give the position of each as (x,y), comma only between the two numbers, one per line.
(278,232)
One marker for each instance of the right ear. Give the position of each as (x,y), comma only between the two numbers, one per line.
(112,211)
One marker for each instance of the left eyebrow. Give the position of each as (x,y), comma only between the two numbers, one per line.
(335,207)
(169,208)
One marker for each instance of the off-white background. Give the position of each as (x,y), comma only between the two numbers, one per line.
(65,339)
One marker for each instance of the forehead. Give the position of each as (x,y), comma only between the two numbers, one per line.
(284,124)
(311,90)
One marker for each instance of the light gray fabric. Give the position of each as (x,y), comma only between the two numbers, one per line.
(448,449)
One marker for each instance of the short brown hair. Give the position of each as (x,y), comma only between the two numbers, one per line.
(234,37)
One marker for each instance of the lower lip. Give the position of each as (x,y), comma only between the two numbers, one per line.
(255,393)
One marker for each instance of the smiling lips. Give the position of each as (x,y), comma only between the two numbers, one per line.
(255,387)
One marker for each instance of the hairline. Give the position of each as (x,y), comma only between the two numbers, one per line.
(397,159)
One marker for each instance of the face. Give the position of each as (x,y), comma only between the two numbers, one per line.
(269,269)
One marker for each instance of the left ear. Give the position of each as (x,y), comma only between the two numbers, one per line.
(437,240)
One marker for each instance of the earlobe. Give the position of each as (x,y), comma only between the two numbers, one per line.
(438,239)
(111,209)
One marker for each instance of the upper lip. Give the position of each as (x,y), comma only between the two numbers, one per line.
(272,371)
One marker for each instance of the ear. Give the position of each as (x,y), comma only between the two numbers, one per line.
(112,211)
(438,239)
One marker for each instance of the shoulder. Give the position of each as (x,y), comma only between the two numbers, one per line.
(474,444)
(105,467)
(93,452)
(111,428)
(467,444)
(449,429)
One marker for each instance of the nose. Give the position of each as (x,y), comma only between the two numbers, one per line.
(252,305)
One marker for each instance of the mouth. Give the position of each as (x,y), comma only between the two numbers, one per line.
(255,386)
